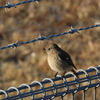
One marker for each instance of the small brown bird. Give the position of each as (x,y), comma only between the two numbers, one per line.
(59,60)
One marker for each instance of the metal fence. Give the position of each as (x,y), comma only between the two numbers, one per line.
(49,89)
(57,87)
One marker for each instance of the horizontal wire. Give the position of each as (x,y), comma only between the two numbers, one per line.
(9,5)
(72,31)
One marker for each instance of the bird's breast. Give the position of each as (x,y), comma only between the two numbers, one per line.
(57,64)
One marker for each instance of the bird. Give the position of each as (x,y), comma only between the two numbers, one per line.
(59,60)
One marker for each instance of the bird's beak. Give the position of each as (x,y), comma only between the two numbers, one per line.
(44,48)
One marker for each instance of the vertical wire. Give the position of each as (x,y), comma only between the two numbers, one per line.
(94,93)
(61,97)
(72,96)
(83,97)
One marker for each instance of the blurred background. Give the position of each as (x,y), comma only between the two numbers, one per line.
(28,62)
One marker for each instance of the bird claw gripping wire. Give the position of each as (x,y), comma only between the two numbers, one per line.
(13,45)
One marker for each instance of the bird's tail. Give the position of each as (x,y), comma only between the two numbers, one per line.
(75,73)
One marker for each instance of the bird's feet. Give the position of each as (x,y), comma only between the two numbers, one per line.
(55,75)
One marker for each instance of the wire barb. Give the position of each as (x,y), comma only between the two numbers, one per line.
(74,30)
(40,38)
(8,5)
(97,23)
(13,45)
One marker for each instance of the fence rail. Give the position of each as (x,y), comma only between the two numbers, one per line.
(60,83)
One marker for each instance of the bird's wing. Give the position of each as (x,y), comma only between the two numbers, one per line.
(66,57)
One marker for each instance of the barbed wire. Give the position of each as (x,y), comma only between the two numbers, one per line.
(54,87)
(40,38)
(9,5)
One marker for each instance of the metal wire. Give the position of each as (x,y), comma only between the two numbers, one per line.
(9,5)
(55,86)
(72,31)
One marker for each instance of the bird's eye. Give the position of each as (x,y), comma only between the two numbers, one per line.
(48,48)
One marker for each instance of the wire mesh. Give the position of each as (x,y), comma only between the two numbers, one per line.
(58,83)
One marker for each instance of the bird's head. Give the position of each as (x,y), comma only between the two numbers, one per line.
(52,47)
